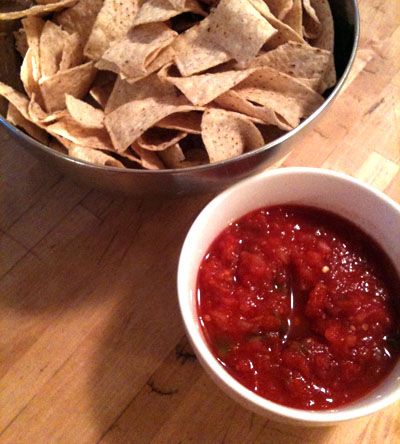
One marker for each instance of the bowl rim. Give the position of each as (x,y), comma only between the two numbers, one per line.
(229,383)
(200,168)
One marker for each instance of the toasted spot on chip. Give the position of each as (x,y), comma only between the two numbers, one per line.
(196,51)
(17,119)
(239,28)
(203,88)
(132,55)
(84,114)
(37,10)
(93,156)
(112,23)
(159,139)
(80,18)
(227,134)
(162,10)
(284,94)
(74,81)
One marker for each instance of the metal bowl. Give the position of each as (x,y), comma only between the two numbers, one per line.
(205,178)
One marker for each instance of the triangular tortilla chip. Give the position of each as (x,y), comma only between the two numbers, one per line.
(280,7)
(51,47)
(153,11)
(148,159)
(297,60)
(69,129)
(93,156)
(285,33)
(39,116)
(204,88)
(16,98)
(312,24)
(227,134)
(189,122)
(37,10)
(284,94)
(235,101)
(21,42)
(294,17)
(195,51)
(326,38)
(112,23)
(72,54)
(80,18)
(84,114)
(17,119)
(74,81)
(132,55)
(173,156)
(159,139)
(239,28)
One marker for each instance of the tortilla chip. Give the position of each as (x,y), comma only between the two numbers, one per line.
(202,89)
(124,92)
(324,14)
(80,18)
(280,7)
(16,98)
(298,60)
(102,87)
(41,117)
(94,157)
(189,122)
(21,42)
(239,28)
(51,48)
(132,55)
(227,134)
(312,24)
(69,129)
(37,10)
(128,122)
(159,139)
(112,23)
(74,81)
(173,156)
(282,93)
(72,54)
(285,33)
(294,17)
(84,114)
(153,11)
(17,119)
(235,101)
(195,51)
(148,159)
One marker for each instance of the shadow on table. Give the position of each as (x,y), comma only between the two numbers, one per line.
(146,383)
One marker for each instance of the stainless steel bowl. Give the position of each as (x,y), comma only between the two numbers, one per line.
(205,178)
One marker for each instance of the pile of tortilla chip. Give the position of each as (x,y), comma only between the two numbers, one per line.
(161,84)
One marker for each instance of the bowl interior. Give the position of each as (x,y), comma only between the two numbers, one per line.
(373,212)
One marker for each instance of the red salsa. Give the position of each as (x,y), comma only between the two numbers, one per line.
(297,304)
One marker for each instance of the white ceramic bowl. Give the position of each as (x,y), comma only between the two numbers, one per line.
(371,210)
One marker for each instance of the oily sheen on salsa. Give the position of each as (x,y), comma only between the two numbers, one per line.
(298,305)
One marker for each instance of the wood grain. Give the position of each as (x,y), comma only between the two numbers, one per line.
(92,346)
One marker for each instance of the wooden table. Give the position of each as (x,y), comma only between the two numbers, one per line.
(91,341)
